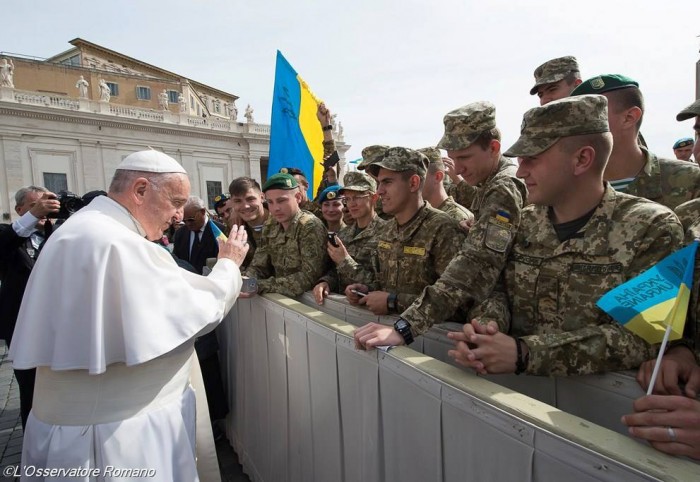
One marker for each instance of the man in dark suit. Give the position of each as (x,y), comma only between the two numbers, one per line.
(20,244)
(196,242)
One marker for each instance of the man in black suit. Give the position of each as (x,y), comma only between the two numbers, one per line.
(20,244)
(196,242)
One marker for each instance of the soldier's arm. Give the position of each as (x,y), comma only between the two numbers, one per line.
(312,242)
(463,193)
(607,346)
(260,268)
(330,277)
(494,308)
(472,275)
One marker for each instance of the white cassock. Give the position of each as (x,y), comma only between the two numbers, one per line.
(109,320)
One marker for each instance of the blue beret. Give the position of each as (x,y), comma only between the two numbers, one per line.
(685,142)
(329,194)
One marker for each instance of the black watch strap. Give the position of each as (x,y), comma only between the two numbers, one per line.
(403,327)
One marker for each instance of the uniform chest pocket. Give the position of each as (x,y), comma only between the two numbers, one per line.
(587,282)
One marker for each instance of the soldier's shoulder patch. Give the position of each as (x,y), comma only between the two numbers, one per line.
(383,245)
(499,234)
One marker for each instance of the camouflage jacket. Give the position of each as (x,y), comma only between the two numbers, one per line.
(363,261)
(665,181)
(254,238)
(473,273)
(551,288)
(289,262)
(463,193)
(313,208)
(688,213)
(414,255)
(454,210)
(692,325)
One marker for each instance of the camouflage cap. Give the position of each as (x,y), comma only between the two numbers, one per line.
(358,181)
(693,110)
(464,125)
(683,142)
(400,159)
(432,153)
(543,126)
(604,83)
(280,180)
(553,71)
(371,154)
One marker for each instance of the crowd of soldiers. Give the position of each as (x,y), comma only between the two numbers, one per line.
(518,252)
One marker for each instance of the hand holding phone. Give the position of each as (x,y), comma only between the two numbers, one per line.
(359,293)
(332,238)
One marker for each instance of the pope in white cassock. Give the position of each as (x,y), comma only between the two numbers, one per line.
(109,320)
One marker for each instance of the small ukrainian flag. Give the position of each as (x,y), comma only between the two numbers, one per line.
(647,304)
(217,232)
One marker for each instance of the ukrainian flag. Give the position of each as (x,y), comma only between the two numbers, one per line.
(296,138)
(217,232)
(657,298)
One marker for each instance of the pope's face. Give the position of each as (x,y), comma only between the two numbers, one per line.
(164,205)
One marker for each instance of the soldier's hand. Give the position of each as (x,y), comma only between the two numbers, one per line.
(47,203)
(670,424)
(338,253)
(677,367)
(376,302)
(451,170)
(373,334)
(466,224)
(321,291)
(486,349)
(236,247)
(351,296)
(323,114)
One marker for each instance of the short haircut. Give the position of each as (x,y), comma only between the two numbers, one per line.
(195,202)
(123,178)
(21,194)
(601,143)
(295,171)
(436,166)
(623,99)
(485,138)
(406,175)
(242,185)
(572,77)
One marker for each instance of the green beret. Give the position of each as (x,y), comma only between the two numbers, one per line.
(281,180)
(571,116)
(604,83)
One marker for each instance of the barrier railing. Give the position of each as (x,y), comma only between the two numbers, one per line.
(306,405)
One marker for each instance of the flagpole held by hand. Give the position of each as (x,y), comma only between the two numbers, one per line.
(657,365)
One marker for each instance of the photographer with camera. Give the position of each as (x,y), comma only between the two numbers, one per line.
(20,244)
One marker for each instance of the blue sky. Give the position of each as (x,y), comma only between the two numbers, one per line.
(389,69)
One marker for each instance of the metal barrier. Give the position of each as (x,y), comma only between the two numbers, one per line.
(306,405)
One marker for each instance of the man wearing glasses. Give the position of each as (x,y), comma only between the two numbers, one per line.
(196,242)
(355,256)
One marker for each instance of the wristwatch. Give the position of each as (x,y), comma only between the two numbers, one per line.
(404,329)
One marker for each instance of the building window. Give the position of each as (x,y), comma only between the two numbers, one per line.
(191,102)
(74,61)
(143,93)
(173,96)
(113,89)
(213,190)
(55,181)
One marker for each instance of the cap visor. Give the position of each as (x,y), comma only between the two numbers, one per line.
(525,147)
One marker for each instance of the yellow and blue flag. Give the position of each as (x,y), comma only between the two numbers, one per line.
(218,234)
(296,138)
(647,304)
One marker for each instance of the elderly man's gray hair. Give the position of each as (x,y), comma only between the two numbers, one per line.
(195,202)
(21,194)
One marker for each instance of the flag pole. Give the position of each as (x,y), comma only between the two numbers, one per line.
(657,365)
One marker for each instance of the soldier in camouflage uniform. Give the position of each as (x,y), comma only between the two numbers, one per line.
(434,190)
(306,204)
(292,251)
(473,141)
(632,168)
(556,78)
(578,240)
(247,204)
(355,258)
(415,247)
(369,155)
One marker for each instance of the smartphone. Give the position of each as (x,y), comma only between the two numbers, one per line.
(359,293)
(332,239)
(250,285)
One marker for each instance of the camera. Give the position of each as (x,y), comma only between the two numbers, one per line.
(70,204)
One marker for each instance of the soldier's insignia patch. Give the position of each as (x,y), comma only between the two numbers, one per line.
(498,235)
(284,170)
(288,182)
(597,83)
(384,245)
(331,195)
(415,250)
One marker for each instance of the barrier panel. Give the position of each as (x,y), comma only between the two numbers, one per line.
(306,405)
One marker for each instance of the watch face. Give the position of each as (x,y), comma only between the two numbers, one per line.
(401,325)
